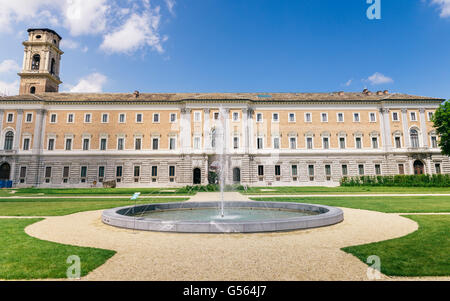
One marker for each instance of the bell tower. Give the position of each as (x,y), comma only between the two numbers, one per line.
(41,62)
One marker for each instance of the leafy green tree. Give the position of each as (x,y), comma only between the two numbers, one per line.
(441,121)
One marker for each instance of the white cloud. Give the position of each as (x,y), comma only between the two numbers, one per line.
(9,66)
(170,4)
(444,6)
(137,32)
(92,83)
(9,88)
(69,44)
(348,83)
(378,79)
(85,17)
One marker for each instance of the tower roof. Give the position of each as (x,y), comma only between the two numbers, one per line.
(47,30)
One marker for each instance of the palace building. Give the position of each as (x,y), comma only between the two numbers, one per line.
(52,139)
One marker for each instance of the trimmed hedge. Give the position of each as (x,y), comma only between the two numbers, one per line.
(210,188)
(398,180)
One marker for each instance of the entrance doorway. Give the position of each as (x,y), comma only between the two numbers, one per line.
(5,170)
(197,176)
(237,175)
(419,168)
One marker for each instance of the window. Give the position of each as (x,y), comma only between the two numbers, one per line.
(29,118)
(430,116)
(51,144)
(68,144)
(356,117)
(53,118)
(35,62)
(413,116)
(340,117)
(311,172)
(398,142)
(87,118)
(48,173)
(344,170)
(372,117)
(66,171)
(172,143)
(155,143)
(437,167)
(10,117)
(358,142)
(23,174)
(105,118)
(260,170)
(122,118)
(137,143)
(395,116)
(119,171)
(52,66)
(70,118)
(326,143)
(103,142)
(377,169)
(361,169)
(328,172)
(259,143)
(173,117)
(308,117)
(139,118)
(434,143)
(235,142)
(342,142)
(9,139)
(83,173)
(86,144)
(291,117)
(401,169)
(374,142)
(276,143)
(120,143)
(197,142)
(26,144)
(324,117)
(171,171)
(277,170)
(414,135)
(101,173)
(275,117)
(309,143)
(197,116)
(137,173)
(293,143)
(156,118)
(235,116)
(294,170)
(259,117)
(216,115)
(154,171)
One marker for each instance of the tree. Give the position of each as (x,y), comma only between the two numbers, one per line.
(441,121)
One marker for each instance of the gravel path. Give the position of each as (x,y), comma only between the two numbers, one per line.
(300,255)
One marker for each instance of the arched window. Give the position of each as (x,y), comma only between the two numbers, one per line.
(414,135)
(52,67)
(9,138)
(32,90)
(36,62)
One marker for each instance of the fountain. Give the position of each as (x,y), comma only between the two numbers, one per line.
(223,216)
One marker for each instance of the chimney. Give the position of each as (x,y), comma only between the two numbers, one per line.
(136,94)
(386,92)
(368,93)
(365,91)
(341,93)
(379,93)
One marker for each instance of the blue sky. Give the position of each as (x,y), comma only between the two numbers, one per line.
(236,45)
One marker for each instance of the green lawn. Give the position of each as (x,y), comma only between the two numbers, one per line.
(408,204)
(25,257)
(93,191)
(348,190)
(422,253)
(56,207)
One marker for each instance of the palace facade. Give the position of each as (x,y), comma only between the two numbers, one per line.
(52,139)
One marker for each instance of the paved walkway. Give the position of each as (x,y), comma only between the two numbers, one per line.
(336,195)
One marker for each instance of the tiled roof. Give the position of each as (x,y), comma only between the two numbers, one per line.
(260,97)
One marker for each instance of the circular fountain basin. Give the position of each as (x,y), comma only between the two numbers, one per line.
(240,217)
